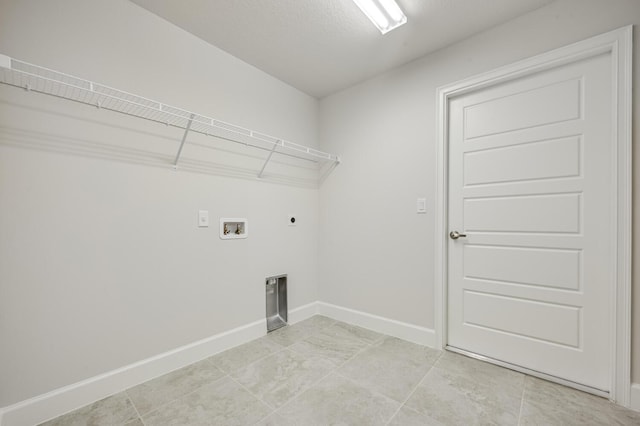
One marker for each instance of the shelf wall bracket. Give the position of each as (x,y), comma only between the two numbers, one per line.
(333,165)
(264,166)
(184,139)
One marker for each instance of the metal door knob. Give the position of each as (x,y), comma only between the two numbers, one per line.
(455,235)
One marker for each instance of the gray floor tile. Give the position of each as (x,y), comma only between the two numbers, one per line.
(287,336)
(114,410)
(281,376)
(392,367)
(136,422)
(243,355)
(408,417)
(454,398)
(483,372)
(318,321)
(154,393)
(336,347)
(275,419)
(363,334)
(338,401)
(221,403)
(552,404)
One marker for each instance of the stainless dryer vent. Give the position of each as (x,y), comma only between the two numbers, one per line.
(276,295)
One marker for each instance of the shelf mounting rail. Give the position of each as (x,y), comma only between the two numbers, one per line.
(38,79)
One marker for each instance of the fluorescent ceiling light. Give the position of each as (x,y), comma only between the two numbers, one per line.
(385,14)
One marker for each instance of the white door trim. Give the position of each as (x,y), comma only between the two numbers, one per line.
(619,44)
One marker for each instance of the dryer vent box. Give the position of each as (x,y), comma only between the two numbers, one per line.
(276,294)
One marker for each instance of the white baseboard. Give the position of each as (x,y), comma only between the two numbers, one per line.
(303,312)
(402,330)
(60,401)
(634,400)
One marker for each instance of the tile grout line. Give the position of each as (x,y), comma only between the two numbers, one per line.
(183,395)
(360,385)
(357,339)
(282,349)
(524,387)
(126,391)
(134,407)
(253,394)
(225,375)
(273,409)
(334,370)
(338,367)
(403,403)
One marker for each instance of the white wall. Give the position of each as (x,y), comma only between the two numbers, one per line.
(377,254)
(101,262)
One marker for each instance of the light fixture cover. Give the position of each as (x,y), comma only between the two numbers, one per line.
(385,14)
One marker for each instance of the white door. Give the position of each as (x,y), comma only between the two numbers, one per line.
(530,184)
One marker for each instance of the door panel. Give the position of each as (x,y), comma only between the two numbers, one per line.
(549,322)
(560,158)
(530,183)
(555,268)
(530,213)
(522,109)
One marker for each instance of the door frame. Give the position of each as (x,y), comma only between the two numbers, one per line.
(619,44)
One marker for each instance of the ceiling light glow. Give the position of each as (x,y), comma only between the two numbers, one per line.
(385,14)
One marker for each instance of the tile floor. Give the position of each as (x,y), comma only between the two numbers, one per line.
(325,372)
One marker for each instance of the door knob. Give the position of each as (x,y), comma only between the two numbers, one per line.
(455,235)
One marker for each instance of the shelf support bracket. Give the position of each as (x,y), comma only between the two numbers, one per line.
(264,166)
(184,139)
(330,169)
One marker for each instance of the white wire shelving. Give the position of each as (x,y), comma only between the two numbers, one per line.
(38,79)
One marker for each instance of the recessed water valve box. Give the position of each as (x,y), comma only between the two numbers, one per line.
(276,295)
(233,228)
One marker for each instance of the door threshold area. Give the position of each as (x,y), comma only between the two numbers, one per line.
(534,373)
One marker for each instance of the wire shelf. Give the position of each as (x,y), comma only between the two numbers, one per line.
(34,78)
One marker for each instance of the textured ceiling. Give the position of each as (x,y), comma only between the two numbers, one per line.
(323,46)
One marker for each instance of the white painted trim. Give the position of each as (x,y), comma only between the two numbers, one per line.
(634,403)
(60,401)
(442,221)
(303,312)
(622,52)
(619,44)
(399,329)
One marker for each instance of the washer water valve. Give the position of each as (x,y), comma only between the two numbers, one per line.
(233,228)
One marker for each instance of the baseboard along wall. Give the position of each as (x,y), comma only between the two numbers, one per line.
(68,398)
(634,400)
